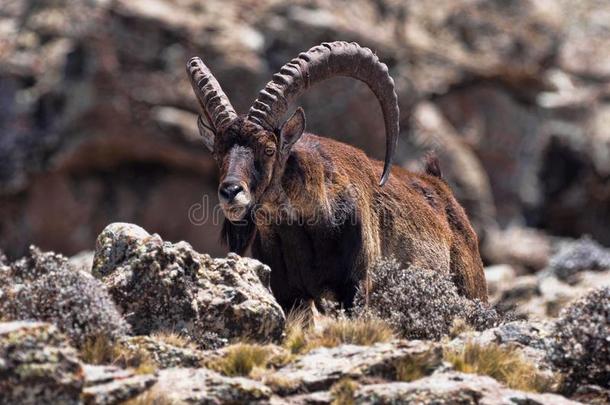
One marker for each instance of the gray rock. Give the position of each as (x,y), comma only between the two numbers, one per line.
(321,368)
(543,296)
(452,388)
(592,395)
(202,386)
(164,355)
(37,365)
(106,385)
(579,255)
(102,374)
(164,287)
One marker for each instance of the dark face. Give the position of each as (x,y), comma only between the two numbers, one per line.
(247,155)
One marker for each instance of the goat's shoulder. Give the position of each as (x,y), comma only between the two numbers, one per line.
(335,160)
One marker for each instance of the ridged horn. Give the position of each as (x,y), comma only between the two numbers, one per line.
(323,62)
(215,104)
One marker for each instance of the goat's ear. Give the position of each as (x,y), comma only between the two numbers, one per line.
(292,130)
(206,132)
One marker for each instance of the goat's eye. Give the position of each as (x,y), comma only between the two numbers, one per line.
(269,151)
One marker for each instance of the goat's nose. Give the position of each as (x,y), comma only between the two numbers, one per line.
(228,191)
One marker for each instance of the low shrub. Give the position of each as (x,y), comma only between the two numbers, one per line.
(418,303)
(42,287)
(579,344)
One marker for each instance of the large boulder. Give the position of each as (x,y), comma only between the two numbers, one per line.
(37,365)
(162,286)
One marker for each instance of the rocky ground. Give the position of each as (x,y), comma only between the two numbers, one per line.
(98,121)
(145,321)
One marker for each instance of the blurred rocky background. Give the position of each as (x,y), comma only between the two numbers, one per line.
(97,119)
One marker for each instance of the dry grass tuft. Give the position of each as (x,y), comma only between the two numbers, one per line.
(332,332)
(459,326)
(242,359)
(504,364)
(174,339)
(102,350)
(343,392)
(277,382)
(364,331)
(413,368)
(295,339)
(97,350)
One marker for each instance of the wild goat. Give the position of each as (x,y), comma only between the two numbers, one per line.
(310,207)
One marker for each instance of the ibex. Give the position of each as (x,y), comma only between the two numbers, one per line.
(311,207)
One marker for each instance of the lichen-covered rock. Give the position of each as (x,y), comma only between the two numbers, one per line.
(37,365)
(165,286)
(322,367)
(41,286)
(162,354)
(452,388)
(579,255)
(580,345)
(419,303)
(108,385)
(203,386)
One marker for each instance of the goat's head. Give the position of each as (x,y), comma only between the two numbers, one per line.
(252,150)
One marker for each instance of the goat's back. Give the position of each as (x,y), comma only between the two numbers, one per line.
(414,217)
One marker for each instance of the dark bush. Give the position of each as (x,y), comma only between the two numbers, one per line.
(42,287)
(418,303)
(580,342)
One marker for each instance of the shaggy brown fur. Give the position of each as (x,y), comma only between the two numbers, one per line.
(335,221)
(310,207)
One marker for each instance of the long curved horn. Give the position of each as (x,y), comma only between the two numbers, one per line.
(215,104)
(320,63)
